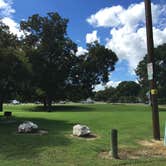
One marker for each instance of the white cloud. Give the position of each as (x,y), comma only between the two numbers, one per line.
(128,46)
(99,87)
(106,17)
(117,16)
(6,9)
(136,81)
(113,84)
(107,85)
(81,51)
(92,37)
(13,26)
(159,36)
(2,4)
(132,46)
(128,32)
(6,12)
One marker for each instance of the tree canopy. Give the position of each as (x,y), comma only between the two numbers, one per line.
(92,68)
(128,88)
(51,53)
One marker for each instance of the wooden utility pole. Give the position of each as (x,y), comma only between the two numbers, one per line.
(151,71)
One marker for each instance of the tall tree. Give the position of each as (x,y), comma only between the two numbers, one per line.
(51,53)
(128,88)
(92,68)
(14,66)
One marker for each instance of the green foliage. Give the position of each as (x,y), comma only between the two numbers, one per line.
(100,61)
(6,38)
(128,88)
(92,68)
(50,51)
(14,66)
(125,92)
(160,63)
(106,95)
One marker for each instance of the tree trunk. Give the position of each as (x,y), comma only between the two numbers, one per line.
(49,106)
(45,103)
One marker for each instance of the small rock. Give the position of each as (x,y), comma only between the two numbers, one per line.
(27,127)
(81,130)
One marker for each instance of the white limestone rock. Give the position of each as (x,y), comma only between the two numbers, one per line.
(81,130)
(27,127)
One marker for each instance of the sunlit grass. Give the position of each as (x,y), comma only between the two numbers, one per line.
(59,148)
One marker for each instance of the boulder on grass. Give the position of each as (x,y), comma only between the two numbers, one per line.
(81,130)
(27,127)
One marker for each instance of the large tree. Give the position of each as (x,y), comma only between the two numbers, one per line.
(128,88)
(14,66)
(160,63)
(92,68)
(51,52)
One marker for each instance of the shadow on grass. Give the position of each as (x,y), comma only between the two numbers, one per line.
(20,146)
(90,108)
(61,108)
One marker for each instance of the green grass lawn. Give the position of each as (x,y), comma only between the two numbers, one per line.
(58,148)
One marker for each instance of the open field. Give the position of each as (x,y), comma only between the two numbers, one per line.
(59,148)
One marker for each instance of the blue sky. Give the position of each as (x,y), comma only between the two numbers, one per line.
(117,24)
(77,11)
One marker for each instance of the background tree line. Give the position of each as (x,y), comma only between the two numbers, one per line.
(125,92)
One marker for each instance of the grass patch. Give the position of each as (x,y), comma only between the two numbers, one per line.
(59,148)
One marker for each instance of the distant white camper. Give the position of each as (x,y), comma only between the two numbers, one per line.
(15,102)
(87,101)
